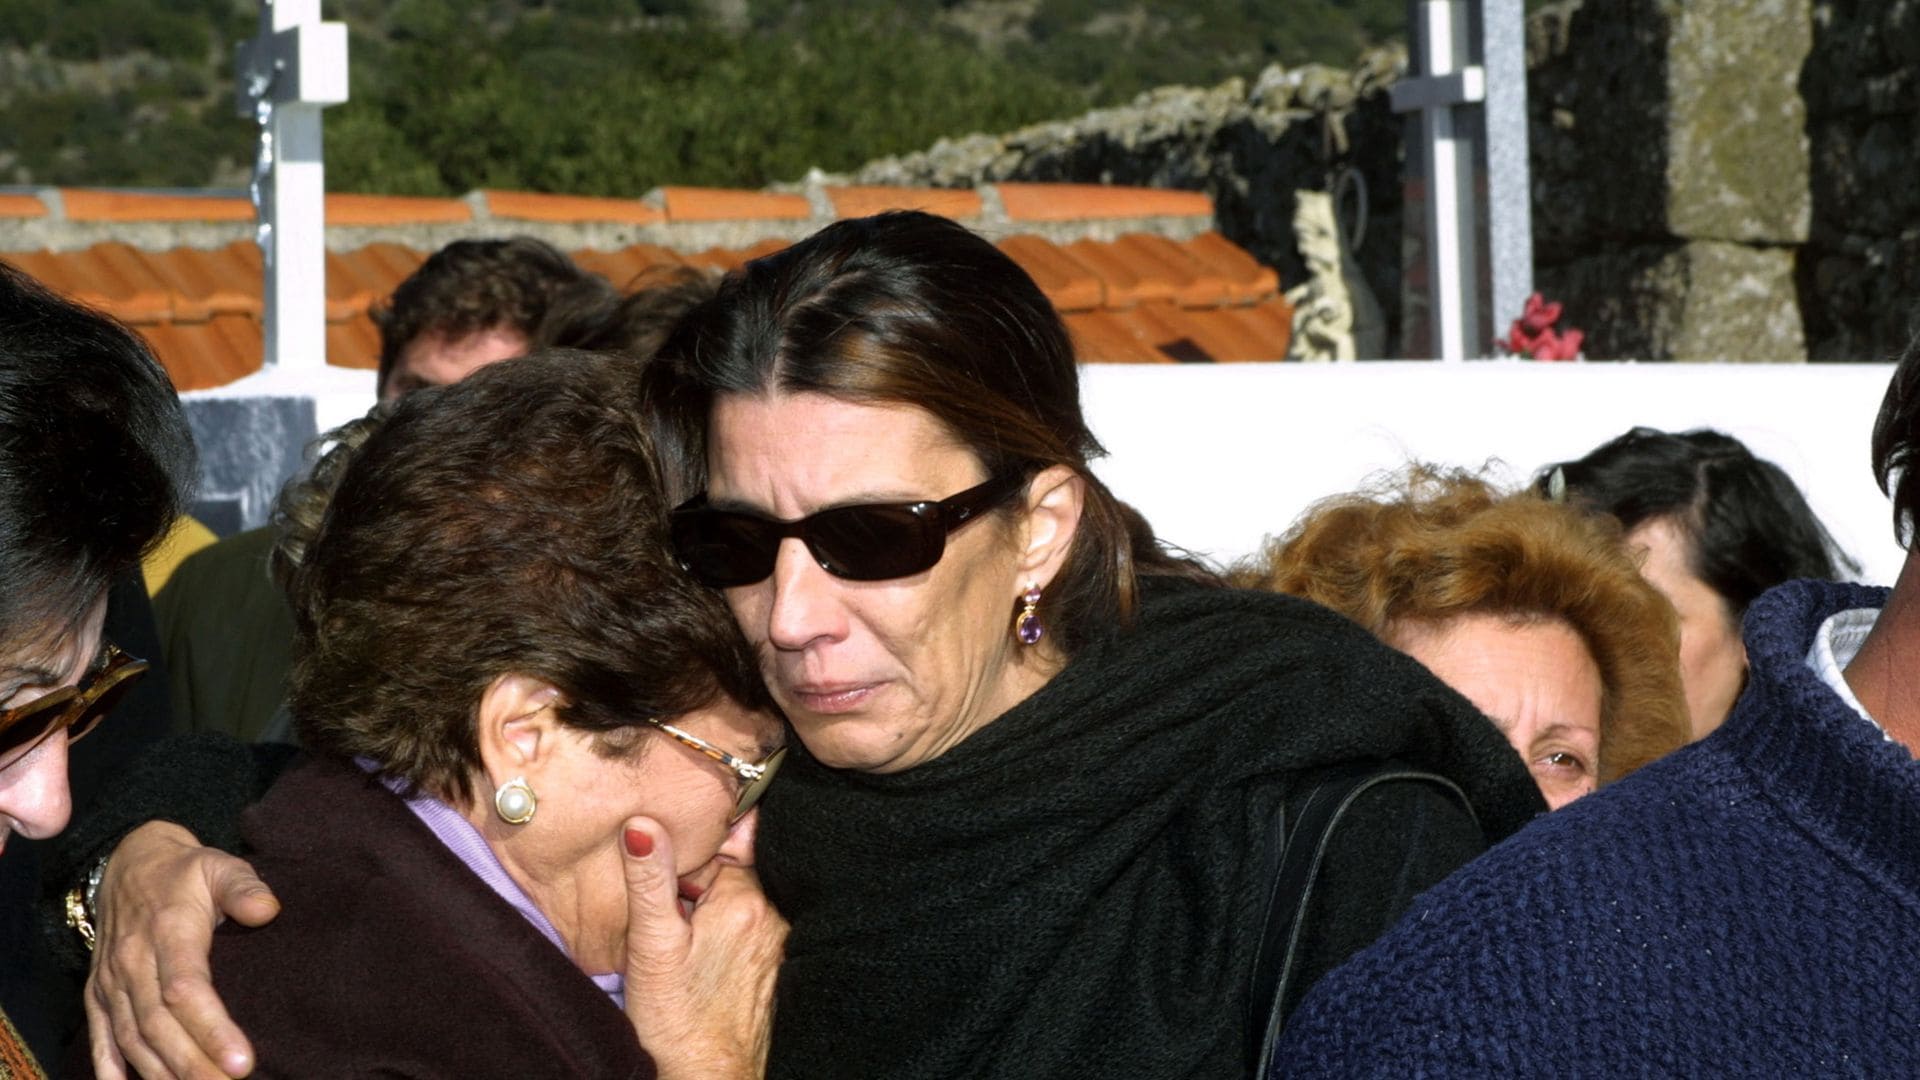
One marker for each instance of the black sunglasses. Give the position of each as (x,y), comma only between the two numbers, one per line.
(867,542)
(79,709)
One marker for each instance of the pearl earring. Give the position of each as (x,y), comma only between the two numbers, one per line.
(514,801)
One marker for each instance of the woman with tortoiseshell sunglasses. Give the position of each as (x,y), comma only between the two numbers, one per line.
(96,461)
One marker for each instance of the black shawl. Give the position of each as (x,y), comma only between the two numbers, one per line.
(1073,891)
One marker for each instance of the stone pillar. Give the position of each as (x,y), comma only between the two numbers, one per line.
(1860,273)
(249,448)
(1672,174)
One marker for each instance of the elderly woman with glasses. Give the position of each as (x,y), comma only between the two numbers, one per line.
(1043,761)
(96,462)
(518,712)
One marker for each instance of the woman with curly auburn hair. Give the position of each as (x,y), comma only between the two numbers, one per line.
(1532,610)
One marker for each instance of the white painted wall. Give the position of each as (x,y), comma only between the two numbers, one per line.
(1219,456)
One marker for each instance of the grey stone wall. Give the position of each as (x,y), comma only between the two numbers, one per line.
(249,447)
(1670,159)
(1860,271)
(1713,179)
(1248,146)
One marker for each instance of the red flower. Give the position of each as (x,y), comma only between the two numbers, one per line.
(1533,334)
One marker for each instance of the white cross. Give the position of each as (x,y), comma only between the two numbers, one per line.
(1471,93)
(285,76)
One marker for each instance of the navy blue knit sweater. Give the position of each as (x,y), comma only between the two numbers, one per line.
(1749,906)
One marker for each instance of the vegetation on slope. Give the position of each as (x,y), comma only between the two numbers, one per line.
(616,96)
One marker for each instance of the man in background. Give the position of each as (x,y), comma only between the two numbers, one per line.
(1747,906)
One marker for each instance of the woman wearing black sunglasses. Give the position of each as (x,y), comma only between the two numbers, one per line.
(1030,824)
(95,463)
(1026,830)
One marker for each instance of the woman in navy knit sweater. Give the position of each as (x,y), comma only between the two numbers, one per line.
(1749,906)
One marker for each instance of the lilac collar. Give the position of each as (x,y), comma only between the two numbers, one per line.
(452,829)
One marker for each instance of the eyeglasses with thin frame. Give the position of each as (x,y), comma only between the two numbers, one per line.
(753,778)
(863,542)
(77,709)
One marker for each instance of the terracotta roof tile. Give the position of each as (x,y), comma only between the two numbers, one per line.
(1072,202)
(628,263)
(203,355)
(55,271)
(1227,338)
(1128,280)
(22,206)
(728,259)
(1101,337)
(84,204)
(1066,281)
(1191,283)
(354,283)
(538,206)
(396,261)
(1247,280)
(1152,325)
(956,203)
(203,284)
(1270,320)
(345,209)
(117,279)
(354,343)
(1139,299)
(726,204)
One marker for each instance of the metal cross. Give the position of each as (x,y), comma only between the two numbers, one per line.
(285,76)
(1470,268)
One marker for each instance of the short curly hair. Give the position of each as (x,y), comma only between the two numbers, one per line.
(472,286)
(1430,545)
(513,522)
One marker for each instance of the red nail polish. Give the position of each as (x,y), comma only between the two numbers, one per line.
(639,844)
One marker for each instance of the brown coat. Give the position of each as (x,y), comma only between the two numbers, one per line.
(391,958)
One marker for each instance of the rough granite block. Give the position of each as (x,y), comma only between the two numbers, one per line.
(249,447)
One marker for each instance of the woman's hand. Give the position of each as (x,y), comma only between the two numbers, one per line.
(150,998)
(700,988)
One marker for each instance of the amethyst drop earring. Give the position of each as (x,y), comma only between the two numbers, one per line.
(1026,625)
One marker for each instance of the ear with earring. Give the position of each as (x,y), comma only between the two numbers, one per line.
(514,801)
(1026,625)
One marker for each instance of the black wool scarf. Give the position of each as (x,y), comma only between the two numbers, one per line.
(1072,892)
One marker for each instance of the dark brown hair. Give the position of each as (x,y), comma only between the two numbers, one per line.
(635,324)
(1746,526)
(911,308)
(471,286)
(511,523)
(1432,545)
(1896,444)
(96,459)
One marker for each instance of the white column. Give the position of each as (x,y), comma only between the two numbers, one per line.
(296,67)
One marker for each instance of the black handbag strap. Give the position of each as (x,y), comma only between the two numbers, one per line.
(1294,868)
